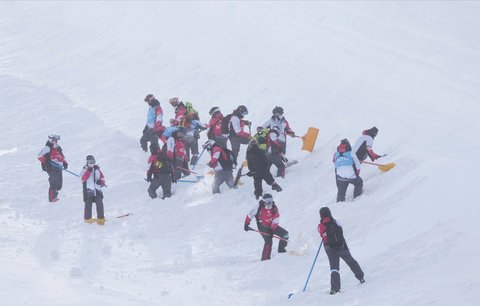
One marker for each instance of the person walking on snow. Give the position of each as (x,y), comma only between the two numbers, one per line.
(236,126)
(53,162)
(267,216)
(335,246)
(284,129)
(221,165)
(93,180)
(258,167)
(154,128)
(364,144)
(214,127)
(160,172)
(347,171)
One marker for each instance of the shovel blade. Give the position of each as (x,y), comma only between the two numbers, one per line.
(309,139)
(386,167)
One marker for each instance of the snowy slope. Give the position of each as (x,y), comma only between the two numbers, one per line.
(82,70)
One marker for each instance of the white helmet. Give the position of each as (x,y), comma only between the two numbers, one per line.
(208,144)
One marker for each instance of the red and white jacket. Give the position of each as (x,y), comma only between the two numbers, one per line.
(176,147)
(216,154)
(238,125)
(216,124)
(55,152)
(363,146)
(93,177)
(282,125)
(273,143)
(266,217)
(180,116)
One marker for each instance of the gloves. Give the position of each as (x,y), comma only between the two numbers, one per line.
(292,133)
(250,173)
(44,166)
(246,227)
(149,178)
(65,165)
(247,123)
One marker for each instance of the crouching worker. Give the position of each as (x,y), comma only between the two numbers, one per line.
(160,172)
(93,181)
(336,247)
(222,162)
(267,217)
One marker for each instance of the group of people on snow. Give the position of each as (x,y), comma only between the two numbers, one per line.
(175,148)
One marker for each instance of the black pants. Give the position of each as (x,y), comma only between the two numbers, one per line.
(148,136)
(177,173)
(342,185)
(236,141)
(277,160)
(222,176)
(163,180)
(55,180)
(334,256)
(221,140)
(267,246)
(260,176)
(91,197)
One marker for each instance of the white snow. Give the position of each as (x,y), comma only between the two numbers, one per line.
(81,70)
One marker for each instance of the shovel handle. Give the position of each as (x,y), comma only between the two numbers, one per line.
(187,170)
(370,163)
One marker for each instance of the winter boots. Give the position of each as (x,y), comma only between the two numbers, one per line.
(276,187)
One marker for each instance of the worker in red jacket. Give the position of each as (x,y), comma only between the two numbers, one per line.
(336,247)
(267,216)
(53,162)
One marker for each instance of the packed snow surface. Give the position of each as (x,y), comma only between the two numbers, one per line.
(82,69)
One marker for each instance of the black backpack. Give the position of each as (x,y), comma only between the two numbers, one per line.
(226,124)
(335,235)
(229,163)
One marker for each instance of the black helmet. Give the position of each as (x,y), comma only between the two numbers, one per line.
(373,132)
(214,110)
(149,98)
(277,110)
(90,159)
(242,109)
(267,199)
(325,212)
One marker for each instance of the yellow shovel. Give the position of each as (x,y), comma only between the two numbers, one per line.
(309,139)
(384,168)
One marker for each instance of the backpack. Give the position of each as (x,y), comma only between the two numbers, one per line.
(191,111)
(225,128)
(335,235)
(229,163)
(262,139)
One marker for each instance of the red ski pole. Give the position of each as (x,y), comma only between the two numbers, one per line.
(266,234)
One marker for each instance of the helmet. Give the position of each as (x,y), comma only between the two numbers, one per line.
(173,101)
(242,109)
(53,137)
(268,199)
(214,110)
(208,144)
(90,159)
(277,111)
(325,212)
(373,132)
(149,98)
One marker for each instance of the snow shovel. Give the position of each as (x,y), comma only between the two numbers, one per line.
(309,139)
(190,171)
(266,234)
(383,168)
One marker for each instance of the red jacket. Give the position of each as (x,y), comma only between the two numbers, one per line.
(216,124)
(177,149)
(322,229)
(266,217)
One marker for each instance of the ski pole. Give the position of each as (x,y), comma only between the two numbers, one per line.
(60,167)
(266,234)
(200,156)
(313,265)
